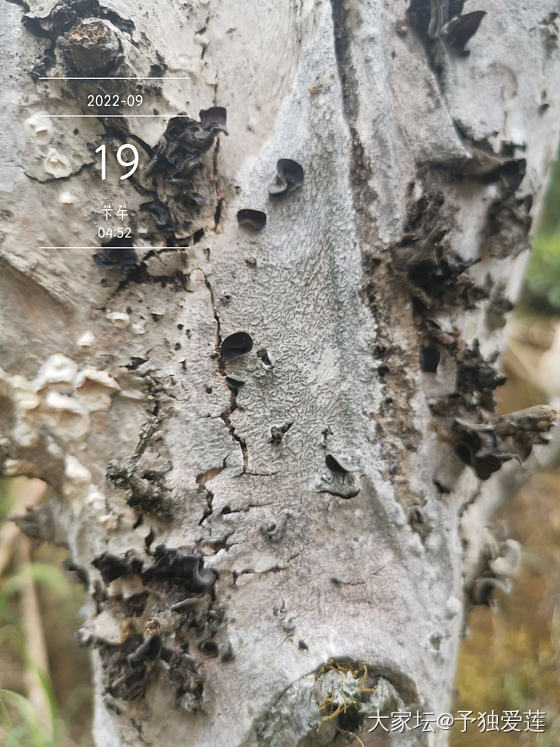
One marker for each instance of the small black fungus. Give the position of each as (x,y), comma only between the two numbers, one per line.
(459,30)
(159,211)
(146,653)
(429,359)
(428,23)
(336,465)
(209,648)
(254,219)
(214,118)
(234,382)
(262,355)
(157,69)
(117,253)
(288,178)
(419,14)
(277,433)
(112,567)
(486,446)
(184,142)
(437,276)
(121,680)
(197,199)
(236,345)
(342,480)
(135,362)
(475,373)
(185,679)
(481,452)
(175,565)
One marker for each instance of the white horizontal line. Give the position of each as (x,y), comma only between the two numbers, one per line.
(111,78)
(114,247)
(115,116)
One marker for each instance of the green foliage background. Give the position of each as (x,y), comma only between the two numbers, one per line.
(542,294)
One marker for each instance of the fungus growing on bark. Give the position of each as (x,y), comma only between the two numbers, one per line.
(185,141)
(429,359)
(475,373)
(236,345)
(57,164)
(263,355)
(278,433)
(40,126)
(209,648)
(159,211)
(481,454)
(177,566)
(434,278)
(486,446)
(335,464)
(214,118)
(436,19)
(112,567)
(254,219)
(234,382)
(288,178)
(123,681)
(117,253)
(91,47)
(146,653)
(185,679)
(459,30)
(341,480)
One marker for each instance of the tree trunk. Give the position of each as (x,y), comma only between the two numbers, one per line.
(281,531)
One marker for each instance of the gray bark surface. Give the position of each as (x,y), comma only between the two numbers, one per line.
(349,544)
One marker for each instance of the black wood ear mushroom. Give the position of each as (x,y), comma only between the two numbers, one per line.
(289,177)
(236,345)
(254,219)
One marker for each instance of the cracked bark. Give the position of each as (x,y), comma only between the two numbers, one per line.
(279,528)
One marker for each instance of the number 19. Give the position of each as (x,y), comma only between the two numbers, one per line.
(133,164)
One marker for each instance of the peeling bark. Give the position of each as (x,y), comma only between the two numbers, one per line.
(268,416)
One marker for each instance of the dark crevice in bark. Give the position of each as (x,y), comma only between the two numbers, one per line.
(383,292)
(201,480)
(225,415)
(360,168)
(217,186)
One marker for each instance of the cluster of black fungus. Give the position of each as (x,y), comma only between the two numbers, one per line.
(117,253)
(185,141)
(444,19)
(486,446)
(475,373)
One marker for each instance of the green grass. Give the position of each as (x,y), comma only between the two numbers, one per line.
(542,281)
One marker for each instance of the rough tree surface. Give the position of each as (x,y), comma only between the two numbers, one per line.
(281,532)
